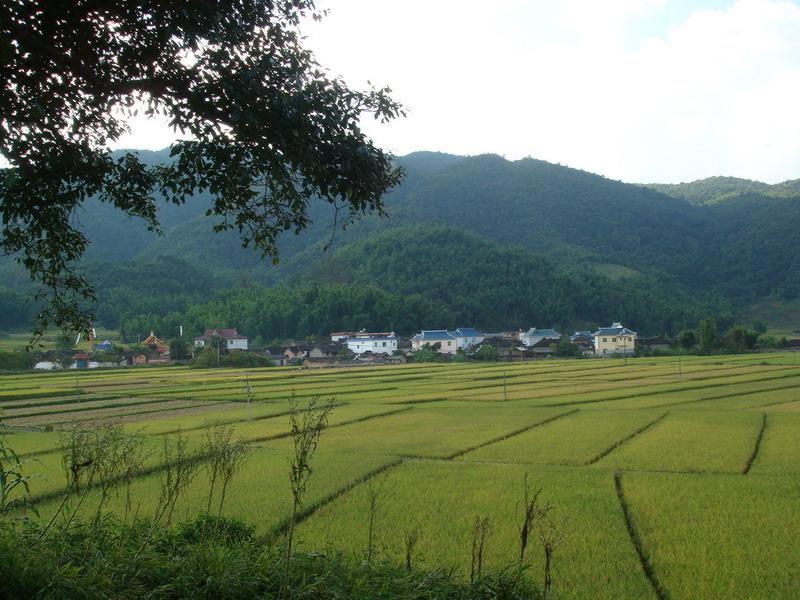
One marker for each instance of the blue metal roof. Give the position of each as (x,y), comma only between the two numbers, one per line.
(434,334)
(467,332)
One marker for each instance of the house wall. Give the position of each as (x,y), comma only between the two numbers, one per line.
(448,346)
(237,344)
(377,346)
(610,344)
(467,342)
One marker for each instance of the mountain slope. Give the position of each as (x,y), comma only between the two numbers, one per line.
(742,248)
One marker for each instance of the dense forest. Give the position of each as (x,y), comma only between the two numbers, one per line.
(468,241)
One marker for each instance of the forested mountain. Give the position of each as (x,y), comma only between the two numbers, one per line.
(408,278)
(474,240)
(717,189)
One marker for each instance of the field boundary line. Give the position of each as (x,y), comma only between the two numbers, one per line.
(713,374)
(734,395)
(200,457)
(307,512)
(109,419)
(690,388)
(236,421)
(279,436)
(65,399)
(423,401)
(757,446)
(79,407)
(777,403)
(509,435)
(659,590)
(627,438)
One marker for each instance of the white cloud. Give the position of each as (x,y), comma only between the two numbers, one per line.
(715,93)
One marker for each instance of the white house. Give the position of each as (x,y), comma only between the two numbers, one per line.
(448,344)
(231,338)
(467,337)
(377,343)
(614,340)
(534,336)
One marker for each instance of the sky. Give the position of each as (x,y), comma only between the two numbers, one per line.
(636,90)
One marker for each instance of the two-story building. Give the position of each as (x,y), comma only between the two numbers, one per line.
(616,339)
(230,337)
(467,337)
(447,342)
(377,343)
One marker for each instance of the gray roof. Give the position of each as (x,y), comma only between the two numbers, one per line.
(543,333)
(614,331)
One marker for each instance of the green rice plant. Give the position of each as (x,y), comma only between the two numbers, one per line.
(595,558)
(690,441)
(575,439)
(780,448)
(430,432)
(719,536)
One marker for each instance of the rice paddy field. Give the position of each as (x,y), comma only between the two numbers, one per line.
(666,479)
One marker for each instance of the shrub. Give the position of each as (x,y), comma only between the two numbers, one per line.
(16,361)
(218,558)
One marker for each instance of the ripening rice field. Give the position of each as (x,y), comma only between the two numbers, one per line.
(664,480)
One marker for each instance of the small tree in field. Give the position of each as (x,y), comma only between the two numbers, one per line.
(306,427)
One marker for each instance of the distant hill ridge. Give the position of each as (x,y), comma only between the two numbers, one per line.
(718,189)
(731,238)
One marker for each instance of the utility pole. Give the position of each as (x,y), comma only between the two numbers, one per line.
(505,388)
(625,348)
(680,372)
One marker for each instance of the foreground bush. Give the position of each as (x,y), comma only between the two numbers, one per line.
(211,558)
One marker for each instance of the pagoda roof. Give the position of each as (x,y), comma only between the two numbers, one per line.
(152,340)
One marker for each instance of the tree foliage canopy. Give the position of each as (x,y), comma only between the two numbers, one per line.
(266,128)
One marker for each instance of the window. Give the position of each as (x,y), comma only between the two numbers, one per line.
(384,344)
(605,339)
(613,339)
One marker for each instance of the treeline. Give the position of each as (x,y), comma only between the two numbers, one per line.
(714,337)
(405,280)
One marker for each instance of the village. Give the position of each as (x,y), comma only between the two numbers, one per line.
(360,348)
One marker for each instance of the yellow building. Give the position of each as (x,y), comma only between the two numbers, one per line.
(614,340)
